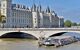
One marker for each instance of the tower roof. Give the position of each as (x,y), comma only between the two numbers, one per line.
(48,10)
(39,8)
(34,7)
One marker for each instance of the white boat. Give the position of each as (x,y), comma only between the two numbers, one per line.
(59,40)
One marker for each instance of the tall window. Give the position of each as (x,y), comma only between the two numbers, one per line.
(3,5)
(35,21)
(3,11)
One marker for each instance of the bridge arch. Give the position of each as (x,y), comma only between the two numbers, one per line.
(57,34)
(65,33)
(18,35)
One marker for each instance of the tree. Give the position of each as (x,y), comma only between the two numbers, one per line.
(67,23)
(79,24)
(2,20)
(74,24)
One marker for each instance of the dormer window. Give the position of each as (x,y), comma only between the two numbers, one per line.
(18,6)
(24,7)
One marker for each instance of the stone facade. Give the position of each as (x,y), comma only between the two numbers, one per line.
(20,16)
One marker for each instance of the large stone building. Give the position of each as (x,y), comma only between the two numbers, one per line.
(23,17)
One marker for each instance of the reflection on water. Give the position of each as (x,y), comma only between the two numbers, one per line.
(28,44)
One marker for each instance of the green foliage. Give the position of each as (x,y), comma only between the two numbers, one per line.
(2,18)
(74,24)
(67,23)
(78,24)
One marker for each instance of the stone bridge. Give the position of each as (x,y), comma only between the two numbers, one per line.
(38,32)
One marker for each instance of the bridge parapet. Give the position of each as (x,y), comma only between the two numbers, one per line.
(39,29)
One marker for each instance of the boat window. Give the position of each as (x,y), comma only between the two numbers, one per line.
(56,40)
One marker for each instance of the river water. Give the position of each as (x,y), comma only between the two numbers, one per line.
(29,44)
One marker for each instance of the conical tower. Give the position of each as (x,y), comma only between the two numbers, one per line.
(6,7)
(48,10)
(34,7)
(39,8)
(6,10)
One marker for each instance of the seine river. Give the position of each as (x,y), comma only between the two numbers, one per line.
(28,44)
